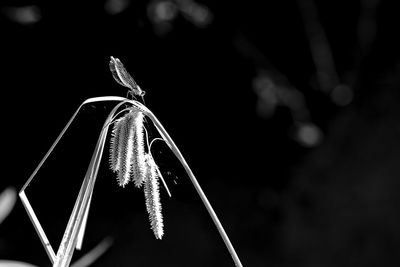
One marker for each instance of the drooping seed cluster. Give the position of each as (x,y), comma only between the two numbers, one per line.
(131,162)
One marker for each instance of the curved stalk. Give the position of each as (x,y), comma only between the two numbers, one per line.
(193,179)
(74,232)
(77,221)
(22,194)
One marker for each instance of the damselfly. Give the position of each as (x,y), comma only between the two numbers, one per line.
(122,77)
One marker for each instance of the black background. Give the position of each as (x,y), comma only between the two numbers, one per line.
(332,203)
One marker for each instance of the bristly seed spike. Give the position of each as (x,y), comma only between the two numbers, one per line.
(139,160)
(126,150)
(127,153)
(152,196)
(114,158)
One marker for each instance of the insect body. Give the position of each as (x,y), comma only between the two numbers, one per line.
(122,77)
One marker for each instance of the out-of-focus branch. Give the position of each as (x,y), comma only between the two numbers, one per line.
(320,49)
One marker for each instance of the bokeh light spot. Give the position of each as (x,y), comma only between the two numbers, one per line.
(26,15)
(342,95)
(164,11)
(308,135)
(198,14)
(114,7)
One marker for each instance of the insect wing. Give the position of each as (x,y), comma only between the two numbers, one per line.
(125,77)
(122,76)
(114,73)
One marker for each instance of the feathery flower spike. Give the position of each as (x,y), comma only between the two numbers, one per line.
(125,148)
(114,158)
(127,154)
(152,196)
(139,161)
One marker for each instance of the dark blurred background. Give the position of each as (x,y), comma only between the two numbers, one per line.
(287,112)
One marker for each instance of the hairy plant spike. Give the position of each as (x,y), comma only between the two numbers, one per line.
(115,150)
(152,196)
(139,160)
(126,149)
